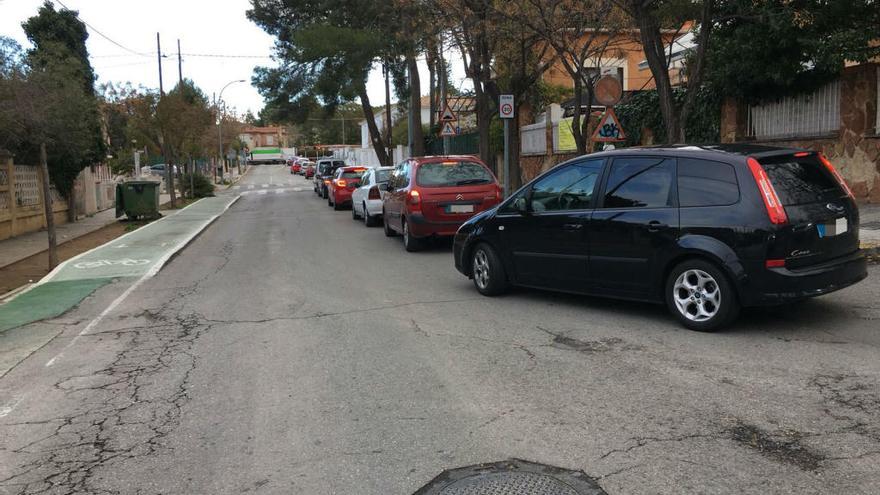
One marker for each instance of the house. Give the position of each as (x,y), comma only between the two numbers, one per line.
(260,137)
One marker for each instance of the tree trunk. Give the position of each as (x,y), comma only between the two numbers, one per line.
(370,117)
(415,105)
(652,41)
(71,203)
(431,59)
(576,128)
(47,206)
(389,122)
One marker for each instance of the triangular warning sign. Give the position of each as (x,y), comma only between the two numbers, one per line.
(448,129)
(609,129)
(447,115)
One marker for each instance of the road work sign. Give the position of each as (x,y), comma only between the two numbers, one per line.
(609,129)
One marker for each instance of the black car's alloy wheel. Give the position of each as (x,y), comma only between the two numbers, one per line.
(700,296)
(488,272)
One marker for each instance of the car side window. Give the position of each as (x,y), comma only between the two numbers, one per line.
(706,183)
(569,188)
(403,177)
(365,180)
(637,182)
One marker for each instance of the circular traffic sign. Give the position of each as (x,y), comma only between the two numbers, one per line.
(507,109)
(608,91)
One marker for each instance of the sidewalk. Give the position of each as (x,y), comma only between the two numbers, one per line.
(129,259)
(17,248)
(869,220)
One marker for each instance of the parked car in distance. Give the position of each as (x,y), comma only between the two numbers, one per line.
(430,197)
(159,169)
(296,167)
(324,171)
(705,230)
(345,181)
(366,200)
(308,170)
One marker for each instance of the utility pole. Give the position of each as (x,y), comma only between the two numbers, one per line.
(388,122)
(179,65)
(159,57)
(47,207)
(411,115)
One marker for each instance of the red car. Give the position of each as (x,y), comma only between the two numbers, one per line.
(343,183)
(432,196)
(295,167)
(309,172)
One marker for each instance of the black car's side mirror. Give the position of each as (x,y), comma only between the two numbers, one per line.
(521,205)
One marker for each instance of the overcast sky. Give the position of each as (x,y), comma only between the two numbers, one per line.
(204,27)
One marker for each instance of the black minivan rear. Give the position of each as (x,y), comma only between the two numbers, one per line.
(704,229)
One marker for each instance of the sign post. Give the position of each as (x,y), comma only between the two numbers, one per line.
(505,111)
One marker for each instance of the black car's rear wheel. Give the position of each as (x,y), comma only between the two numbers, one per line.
(488,272)
(700,296)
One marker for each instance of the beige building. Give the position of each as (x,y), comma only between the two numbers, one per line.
(262,137)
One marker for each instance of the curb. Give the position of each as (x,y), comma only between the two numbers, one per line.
(238,179)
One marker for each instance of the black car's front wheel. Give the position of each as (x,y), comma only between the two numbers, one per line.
(700,296)
(488,272)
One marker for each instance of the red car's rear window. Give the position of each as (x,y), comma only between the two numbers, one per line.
(453,173)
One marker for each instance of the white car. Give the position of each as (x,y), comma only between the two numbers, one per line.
(366,200)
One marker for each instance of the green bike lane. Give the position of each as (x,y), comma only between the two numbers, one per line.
(131,258)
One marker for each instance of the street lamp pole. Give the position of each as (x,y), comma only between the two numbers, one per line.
(220,120)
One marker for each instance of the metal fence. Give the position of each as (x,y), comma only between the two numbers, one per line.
(463,144)
(802,116)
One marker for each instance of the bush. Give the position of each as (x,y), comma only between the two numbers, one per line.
(642,111)
(201,184)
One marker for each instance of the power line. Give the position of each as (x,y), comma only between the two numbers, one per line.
(99,33)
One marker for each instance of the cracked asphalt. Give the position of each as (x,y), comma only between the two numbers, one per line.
(289,349)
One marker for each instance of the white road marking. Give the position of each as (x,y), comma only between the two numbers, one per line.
(264,185)
(149,274)
(251,186)
(10,406)
(263,191)
(236,187)
(297,189)
(280,191)
(120,246)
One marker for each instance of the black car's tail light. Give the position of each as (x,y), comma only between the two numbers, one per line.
(775,211)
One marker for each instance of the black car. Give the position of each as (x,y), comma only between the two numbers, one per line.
(704,230)
(324,170)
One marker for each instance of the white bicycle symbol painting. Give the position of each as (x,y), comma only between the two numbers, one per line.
(84,265)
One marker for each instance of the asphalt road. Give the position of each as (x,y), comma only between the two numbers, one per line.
(289,349)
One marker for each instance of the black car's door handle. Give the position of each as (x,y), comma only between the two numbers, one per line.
(572,226)
(655,226)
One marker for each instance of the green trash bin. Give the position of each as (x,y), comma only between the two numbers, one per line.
(137,199)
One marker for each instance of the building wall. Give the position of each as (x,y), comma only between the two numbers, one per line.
(854,149)
(624,51)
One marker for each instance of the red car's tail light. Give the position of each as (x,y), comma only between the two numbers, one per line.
(415,199)
(340,182)
(836,175)
(374,193)
(775,211)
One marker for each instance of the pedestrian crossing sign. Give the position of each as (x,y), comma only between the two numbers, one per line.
(448,129)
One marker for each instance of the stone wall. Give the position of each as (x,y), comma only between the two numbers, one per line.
(854,149)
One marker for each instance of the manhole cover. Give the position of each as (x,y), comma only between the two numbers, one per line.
(870,225)
(515,477)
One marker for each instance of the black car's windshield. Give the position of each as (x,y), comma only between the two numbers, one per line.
(453,173)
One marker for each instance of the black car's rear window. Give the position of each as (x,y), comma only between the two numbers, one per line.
(452,173)
(801,180)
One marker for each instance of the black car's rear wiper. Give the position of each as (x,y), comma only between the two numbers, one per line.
(471,181)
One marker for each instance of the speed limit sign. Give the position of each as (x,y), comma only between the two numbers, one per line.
(505,106)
